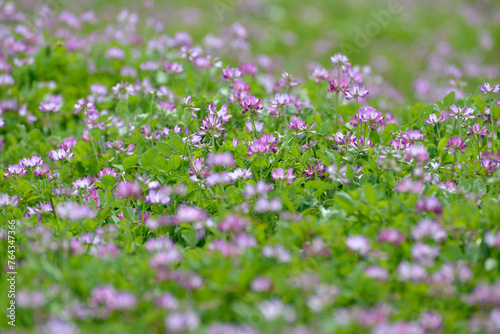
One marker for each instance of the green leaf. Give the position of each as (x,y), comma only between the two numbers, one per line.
(149,157)
(129,162)
(164,149)
(174,163)
(370,193)
(324,188)
(190,237)
(108,180)
(128,214)
(316,184)
(176,142)
(65,172)
(345,201)
(449,99)
(442,143)
(387,134)
(374,137)
(95,133)
(122,108)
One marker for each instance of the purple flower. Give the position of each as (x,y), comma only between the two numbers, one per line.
(463,113)
(17,170)
(412,136)
(377,273)
(84,107)
(431,321)
(83,183)
(279,175)
(212,125)
(177,322)
(217,178)
(190,214)
(337,174)
(123,90)
(278,105)
(356,92)
(261,284)
(174,68)
(455,144)
(301,126)
(265,205)
(6,200)
(429,228)
(392,236)
(119,146)
(337,87)
(60,154)
(31,162)
(409,186)
(74,212)
(230,73)
(251,104)
(488,89)
(249,68)
(261,188)
(358,243)
(126,189)
(340,60)
(429,204)
(417,152)
(319,74)
(225,159)
(161,196)
(370,116)
(232,223)
(222,114)
(68,143)
(477,131)
(411,272)
(424,254)
(240,174)
(435,120)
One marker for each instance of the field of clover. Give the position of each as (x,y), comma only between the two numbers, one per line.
(158,188)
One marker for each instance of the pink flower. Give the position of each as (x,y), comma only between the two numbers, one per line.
(359,244)
(356,92)
(320,74)
(417,152)
(74,212)
(126,189)
(225,159)
(370,116)
(409,186)
(6,200)
(455,144)
(230,73)
(60,154)
(84,106)
(488,89)
(429,204)
(251,104)
(412,136)
(377,273)
(435,120)
(341,61)
(337,174)
(279,175)
(463,113)
(392,236)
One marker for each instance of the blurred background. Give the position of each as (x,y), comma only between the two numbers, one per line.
(421,48)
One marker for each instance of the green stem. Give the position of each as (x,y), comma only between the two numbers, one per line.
(338,95)
(93,146)
(151,111)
